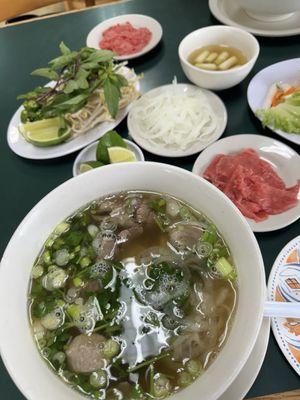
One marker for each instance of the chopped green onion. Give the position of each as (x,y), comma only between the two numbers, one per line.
(85,262)
(98,379)
(111,348)
(194,367)
(37,271)
(184,379)
(225,269)
(61,228)
(47,257)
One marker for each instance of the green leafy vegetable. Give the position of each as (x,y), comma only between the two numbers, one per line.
(285,116)
(77,74)
(46,73)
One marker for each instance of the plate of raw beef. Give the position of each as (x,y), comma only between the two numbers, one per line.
(260,175)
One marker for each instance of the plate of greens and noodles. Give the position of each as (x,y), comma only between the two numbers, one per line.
(88,94)
(274,97)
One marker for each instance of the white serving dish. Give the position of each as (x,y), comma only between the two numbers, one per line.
(137,21)
(284,160)
(25,149)
(222,35)
(214,101)
(17,346)
(284,71)
(89,154)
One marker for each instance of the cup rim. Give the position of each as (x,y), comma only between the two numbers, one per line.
(220,27)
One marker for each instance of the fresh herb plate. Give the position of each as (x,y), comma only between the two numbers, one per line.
(25,149)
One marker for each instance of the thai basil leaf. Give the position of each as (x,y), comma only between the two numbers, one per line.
(46,73)
(63,60)
(81,78)
(112,95)
(101,56)
(64,49)
(71,86)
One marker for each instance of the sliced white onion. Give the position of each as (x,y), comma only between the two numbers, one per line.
(174,119)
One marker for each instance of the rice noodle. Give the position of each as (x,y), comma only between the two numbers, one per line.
(174,119)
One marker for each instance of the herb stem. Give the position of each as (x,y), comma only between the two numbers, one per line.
(99,328)
(145,363)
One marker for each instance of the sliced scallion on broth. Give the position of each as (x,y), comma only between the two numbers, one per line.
(131,296)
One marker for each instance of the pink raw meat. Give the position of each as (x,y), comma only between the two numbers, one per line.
(124,39)
(252,184)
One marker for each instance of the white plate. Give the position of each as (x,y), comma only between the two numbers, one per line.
(89,154)
(284,71)
(215,102)
(27,150)
(230,13)
(137,21)
(283,159)
(286,330)
(242,384)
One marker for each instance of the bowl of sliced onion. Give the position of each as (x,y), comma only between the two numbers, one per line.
(177,120)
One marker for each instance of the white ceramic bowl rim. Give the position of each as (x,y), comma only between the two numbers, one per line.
(221,27)
(17,348)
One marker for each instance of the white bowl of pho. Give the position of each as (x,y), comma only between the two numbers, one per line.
(137,286)
(218,57)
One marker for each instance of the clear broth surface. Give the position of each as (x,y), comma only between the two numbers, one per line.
(232,51)
(139,319)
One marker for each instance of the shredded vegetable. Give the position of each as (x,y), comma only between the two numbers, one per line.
(174,118)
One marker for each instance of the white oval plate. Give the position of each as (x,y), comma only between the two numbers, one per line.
(284,71)
(284,285)
(137,21)
(215,102)
(89,154)
(283,159)
(230,13)
(27,150)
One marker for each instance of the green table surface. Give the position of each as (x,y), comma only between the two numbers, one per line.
(24,182)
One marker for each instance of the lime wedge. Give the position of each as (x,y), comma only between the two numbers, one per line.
(46,137)
(88,165)
(40,125)
(120,154)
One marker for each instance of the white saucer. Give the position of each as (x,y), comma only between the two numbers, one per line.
(242,384)
(137,21)
(283,159)
(230,13)
(214,101)
(89,154)
(284,71)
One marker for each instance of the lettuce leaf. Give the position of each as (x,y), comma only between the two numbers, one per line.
(285,116)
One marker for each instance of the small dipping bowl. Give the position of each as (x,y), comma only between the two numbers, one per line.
(218,35)
(89,154)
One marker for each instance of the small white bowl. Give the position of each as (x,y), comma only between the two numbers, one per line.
(89,154)
(218,35)
(269,10)
(137,21)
